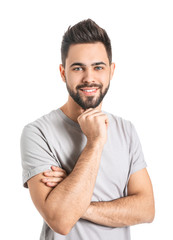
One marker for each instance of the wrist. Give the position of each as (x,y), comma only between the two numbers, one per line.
(88,213)
(95,143)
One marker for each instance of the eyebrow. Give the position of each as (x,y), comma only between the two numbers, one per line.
(84,65)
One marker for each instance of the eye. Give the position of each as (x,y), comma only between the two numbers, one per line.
(98,68)
(77,69)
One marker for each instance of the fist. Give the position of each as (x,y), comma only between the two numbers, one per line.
(94,124)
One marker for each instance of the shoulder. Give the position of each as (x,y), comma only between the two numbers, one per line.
(42,127)
(43,122)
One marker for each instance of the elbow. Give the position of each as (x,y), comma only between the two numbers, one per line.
(63,230)
(60,225)
(61,221)
(151,217)
(145,217)
(150,214)
(148,209)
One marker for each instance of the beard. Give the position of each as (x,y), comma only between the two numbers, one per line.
(91,101)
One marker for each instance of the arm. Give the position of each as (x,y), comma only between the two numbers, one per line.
(137,207)
(62,206)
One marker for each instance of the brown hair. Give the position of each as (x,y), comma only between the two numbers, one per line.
(86,31)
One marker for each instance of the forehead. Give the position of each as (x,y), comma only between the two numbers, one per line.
(87,53)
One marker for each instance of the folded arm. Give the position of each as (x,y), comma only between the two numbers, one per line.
(137,207)
(63,205)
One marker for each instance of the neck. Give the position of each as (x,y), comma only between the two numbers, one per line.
(72,110)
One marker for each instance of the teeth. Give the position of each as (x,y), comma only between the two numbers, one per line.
(89,90)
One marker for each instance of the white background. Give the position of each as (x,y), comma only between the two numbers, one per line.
(141,91)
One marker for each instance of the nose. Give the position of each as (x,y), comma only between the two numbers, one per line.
(88,76)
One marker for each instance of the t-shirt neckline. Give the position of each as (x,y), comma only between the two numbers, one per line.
(70,121)
(67,119)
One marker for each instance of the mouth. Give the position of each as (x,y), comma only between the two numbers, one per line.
(89,91)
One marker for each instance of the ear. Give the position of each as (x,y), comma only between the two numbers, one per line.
(112,70)
(62,72)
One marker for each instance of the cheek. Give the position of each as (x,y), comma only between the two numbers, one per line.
(74,78)
(104,78)
(71,82)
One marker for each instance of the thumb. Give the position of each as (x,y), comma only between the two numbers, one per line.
(107,123)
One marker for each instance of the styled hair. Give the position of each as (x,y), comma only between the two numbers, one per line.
(86,31)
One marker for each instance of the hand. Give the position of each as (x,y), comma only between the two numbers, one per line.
(54,177)
(94,124)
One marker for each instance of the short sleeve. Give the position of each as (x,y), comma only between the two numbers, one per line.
(36,154)
(137,160)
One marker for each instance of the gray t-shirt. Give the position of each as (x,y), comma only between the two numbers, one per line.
(55,139)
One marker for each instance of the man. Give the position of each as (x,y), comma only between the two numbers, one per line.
(97,184)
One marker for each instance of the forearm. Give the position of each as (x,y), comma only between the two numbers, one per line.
(70,199)
(121,212)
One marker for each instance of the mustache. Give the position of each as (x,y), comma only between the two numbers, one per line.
(91,85)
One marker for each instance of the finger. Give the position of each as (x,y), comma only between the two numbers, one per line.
(54,179)
(88,111)
(55,168)
(98,114)
(59,170)
(107,121)
(55,174)
(51,184)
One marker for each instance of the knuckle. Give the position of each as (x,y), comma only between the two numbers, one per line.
(89,117)
(56,174)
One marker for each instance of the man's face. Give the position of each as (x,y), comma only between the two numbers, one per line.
(87,74)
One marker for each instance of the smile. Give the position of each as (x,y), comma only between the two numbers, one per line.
(88,91)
